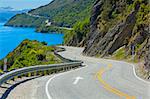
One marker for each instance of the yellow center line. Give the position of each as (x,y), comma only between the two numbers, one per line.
(99,75)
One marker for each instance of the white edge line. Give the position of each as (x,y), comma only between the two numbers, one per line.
(134,71)
(46,88)
(48,82)
(133,67)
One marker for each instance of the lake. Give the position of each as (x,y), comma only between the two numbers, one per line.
(11,37)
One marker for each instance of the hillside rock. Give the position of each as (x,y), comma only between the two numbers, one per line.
(147,58)
(74,41)
(77,36)
(113,39)
(113,26)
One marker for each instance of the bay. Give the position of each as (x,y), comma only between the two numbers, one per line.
(11,37)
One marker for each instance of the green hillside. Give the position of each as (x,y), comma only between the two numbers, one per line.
(31,53)
(24,20)
(61,12)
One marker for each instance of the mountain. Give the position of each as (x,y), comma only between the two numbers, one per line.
(7,9)
(7,12)
(3,9)
(60,12)
(118,24)
(5,16)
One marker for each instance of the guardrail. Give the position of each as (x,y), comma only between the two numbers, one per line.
(52,68)
(69,64)
(62,58)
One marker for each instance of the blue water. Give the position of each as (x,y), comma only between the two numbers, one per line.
(11,37)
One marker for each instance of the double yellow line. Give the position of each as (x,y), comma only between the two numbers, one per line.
(99,75)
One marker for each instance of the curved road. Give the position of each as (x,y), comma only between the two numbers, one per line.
(37,16)
(100,79)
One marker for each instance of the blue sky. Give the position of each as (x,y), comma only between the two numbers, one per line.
(23,4)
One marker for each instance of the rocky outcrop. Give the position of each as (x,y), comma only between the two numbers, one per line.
(113,39)
(74,41)
(108,33)
(77,36)
(147,58)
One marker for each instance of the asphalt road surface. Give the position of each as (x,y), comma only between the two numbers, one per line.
(99,79)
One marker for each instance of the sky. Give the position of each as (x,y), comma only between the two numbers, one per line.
(23,4)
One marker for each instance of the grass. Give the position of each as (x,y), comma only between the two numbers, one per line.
(31,53)
(120,54)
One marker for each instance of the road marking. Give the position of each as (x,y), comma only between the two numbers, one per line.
(48,82)
(77,80)
(134,71)
(108,87)
(46,88)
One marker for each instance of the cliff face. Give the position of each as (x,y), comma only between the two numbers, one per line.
(115,24)
(119,29)
(77,37)
(147,58)
(112,40)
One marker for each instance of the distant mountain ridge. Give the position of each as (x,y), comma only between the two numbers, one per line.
(6,9)
(61,12)
(7,12)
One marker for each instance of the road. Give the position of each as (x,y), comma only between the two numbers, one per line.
(100,79)
(37,16)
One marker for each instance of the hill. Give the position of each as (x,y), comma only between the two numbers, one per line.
(61,12)
(31,53)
